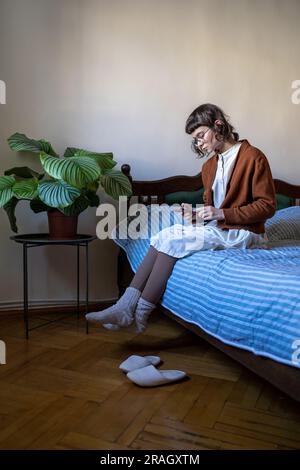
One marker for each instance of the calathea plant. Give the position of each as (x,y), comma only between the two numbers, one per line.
(69,183)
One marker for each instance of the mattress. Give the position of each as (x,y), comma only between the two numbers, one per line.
(247,298)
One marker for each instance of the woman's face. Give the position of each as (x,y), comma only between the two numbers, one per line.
(206,140)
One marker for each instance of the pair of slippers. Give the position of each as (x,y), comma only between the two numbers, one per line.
(142,371)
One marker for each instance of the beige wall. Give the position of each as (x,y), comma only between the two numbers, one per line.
(122,76)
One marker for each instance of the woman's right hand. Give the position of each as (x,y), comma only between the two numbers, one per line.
(187,212)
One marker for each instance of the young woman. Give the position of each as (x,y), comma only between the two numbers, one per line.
(239,196)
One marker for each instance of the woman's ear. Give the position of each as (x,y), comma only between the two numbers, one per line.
(219,126)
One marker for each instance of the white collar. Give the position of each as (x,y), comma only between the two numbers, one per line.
(228,153)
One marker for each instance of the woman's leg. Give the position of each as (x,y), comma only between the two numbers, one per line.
(157,281)
(121,313)
(141,276)
(154,289)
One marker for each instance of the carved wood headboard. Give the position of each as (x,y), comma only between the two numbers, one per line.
(155,191)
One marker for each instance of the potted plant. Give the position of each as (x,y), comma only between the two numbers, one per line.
(66,187)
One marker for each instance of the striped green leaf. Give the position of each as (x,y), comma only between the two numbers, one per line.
(77,171)
(116,184)
(104,160)
(21,143)
(26,189)
(70,151)
(6,192)
(57,193)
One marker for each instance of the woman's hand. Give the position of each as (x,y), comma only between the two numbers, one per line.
(209,213)
(187,212)
(204,213)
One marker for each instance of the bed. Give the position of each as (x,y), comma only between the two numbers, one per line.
(246,303)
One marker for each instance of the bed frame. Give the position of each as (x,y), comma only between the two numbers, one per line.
(286,378)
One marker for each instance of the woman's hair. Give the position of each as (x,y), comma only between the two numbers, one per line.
(206,115)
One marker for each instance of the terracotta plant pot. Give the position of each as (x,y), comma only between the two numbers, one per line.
(62,226)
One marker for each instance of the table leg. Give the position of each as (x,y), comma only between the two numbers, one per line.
(25,290)
(87,283)
(78,281)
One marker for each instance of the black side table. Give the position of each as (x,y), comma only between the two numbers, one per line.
(41,239)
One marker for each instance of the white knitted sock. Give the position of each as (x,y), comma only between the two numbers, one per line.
(121,313)
(142,313)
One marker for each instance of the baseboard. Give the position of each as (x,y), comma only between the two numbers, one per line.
(44,306)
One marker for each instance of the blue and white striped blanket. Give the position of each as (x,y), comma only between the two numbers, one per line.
(249,298)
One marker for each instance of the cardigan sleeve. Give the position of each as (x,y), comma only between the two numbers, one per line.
(264,198)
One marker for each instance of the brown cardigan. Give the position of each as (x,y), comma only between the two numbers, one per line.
(250,194)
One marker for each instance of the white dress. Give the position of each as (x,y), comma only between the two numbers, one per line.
(183,239)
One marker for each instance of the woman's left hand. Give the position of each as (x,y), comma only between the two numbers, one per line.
(209,213)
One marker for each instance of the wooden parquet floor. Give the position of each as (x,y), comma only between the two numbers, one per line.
(63,389)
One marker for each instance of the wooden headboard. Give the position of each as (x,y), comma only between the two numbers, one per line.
(150,192)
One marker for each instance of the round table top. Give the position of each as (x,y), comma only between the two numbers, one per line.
(45,239)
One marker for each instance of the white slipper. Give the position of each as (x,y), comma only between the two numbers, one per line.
(150,376)
(111,326)
(137,362)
